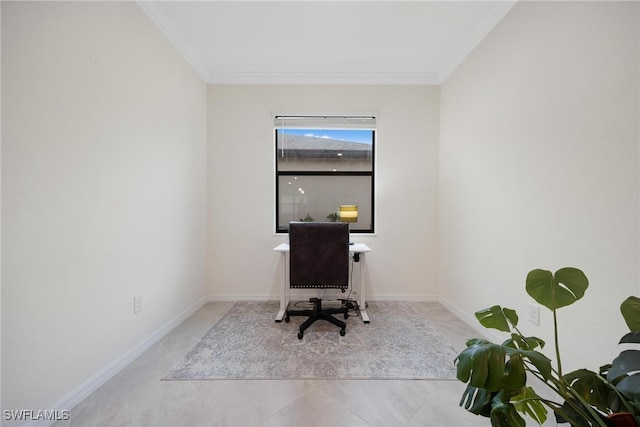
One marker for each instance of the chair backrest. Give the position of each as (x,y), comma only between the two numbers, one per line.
(319,255)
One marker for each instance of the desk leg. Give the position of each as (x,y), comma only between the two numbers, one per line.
(283,288)
(362,303)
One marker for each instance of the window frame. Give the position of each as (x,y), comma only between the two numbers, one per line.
(293,173)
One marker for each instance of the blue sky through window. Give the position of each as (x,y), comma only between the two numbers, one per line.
(362,136)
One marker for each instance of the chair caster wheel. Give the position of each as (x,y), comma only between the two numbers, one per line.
(287,319)
(342,332)
(300,335)
(346,315)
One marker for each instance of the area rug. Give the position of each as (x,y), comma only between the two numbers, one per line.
(247,343)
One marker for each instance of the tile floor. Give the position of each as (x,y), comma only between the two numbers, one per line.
(136,396)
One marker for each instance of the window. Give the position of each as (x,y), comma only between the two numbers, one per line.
(323,163)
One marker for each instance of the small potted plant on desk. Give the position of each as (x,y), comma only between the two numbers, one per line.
(496,374)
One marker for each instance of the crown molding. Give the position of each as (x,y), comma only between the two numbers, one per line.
(314,78)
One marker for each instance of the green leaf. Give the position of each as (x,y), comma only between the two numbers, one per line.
(630,387)
(474,341)
(630,309)
(504,414)
(498,318)
(627,362)
(511,316)
(516,375)
(631,338)
(485,365)
(477,401)
(591,387)
(568,413)
(537,359)
(554,291)
(464,360)
(482,365)
(528,402)
(525,343)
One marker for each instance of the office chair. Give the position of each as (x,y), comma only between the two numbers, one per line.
(319,258)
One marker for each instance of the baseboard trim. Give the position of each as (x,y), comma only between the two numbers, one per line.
(237,297)
(69,401)
(404,297)
(295,296)
(470,321)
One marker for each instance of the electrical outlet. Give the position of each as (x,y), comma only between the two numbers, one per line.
(534,314)
(137,304)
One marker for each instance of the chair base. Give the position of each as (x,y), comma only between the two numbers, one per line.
(318,313)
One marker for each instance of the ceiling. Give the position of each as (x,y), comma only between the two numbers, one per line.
(322,42)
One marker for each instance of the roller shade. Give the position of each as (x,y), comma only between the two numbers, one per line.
(324,122)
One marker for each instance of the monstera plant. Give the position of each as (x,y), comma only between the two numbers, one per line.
(497,375)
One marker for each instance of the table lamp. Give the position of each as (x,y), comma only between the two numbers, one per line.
(348,213)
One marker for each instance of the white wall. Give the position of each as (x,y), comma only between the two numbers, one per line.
(539,168)
(103,192)
(242,195)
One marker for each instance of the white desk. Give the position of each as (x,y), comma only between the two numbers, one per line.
(355,249)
